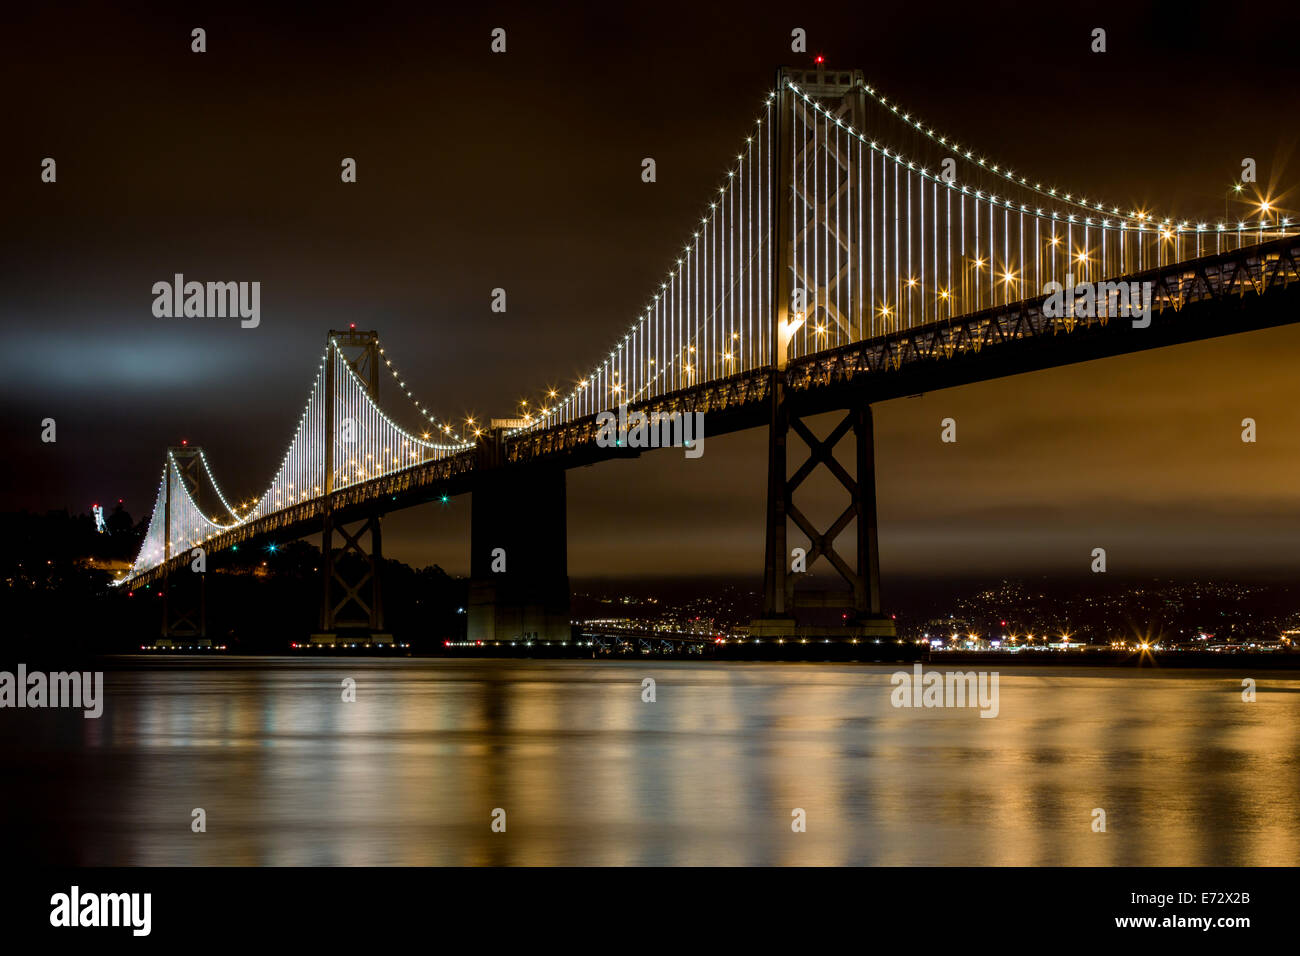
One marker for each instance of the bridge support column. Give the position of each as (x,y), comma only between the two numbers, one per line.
(859,614)
(353,608)
(185,608)
(774,553)
(519,566)
(794,306)
(184,617)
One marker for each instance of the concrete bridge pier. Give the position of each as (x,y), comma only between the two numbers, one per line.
(519,565)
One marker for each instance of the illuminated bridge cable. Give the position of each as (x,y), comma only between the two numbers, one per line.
(368,444)
(981,165)
(444,426)
(879,243)
(876,243)
(702,321)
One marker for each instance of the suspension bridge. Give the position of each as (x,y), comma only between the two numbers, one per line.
(852,253)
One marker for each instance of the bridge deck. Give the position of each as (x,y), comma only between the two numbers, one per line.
(1239,291)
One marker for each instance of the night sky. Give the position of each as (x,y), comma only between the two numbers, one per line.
(522,171)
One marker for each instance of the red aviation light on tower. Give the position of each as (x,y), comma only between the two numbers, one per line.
(819,59)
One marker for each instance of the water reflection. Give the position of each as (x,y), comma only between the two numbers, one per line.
(587,773)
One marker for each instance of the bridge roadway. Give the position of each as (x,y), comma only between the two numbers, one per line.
(1252,288)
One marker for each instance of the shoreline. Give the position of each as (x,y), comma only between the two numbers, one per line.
(720,654)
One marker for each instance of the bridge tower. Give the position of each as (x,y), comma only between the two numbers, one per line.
(519,565)
(352,607)
(185,599)
(841,93)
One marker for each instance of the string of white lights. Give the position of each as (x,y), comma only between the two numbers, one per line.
(1134,217)
(696,328)
(673,341)
(368,443)
(995,169)
(151,547)
(445,426)
(824,238)
(207,469)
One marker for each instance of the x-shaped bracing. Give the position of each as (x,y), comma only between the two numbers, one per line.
(822,452)
(352,591)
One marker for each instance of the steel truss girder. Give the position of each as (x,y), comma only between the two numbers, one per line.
(1253,270)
